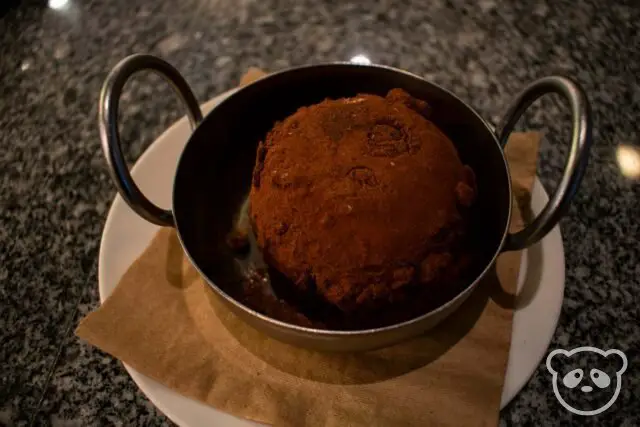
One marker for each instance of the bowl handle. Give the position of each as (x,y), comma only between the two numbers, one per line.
(110,136)
(575,163)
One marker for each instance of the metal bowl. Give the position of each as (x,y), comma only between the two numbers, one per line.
(214,172)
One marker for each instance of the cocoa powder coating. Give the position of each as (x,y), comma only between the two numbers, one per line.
(362,202)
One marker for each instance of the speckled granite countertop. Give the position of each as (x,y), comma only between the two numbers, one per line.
(55,190)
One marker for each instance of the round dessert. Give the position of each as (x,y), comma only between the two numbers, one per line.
(360,200)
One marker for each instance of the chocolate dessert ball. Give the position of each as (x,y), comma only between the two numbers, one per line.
(358,200)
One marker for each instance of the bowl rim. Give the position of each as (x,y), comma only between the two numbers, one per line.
(334,333)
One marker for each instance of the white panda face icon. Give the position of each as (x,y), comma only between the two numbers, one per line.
(582,388)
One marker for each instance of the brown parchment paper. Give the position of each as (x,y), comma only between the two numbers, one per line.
(165,322)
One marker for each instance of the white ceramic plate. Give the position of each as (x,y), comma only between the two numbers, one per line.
(126,235)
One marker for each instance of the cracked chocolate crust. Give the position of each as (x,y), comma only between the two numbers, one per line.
(362,201)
